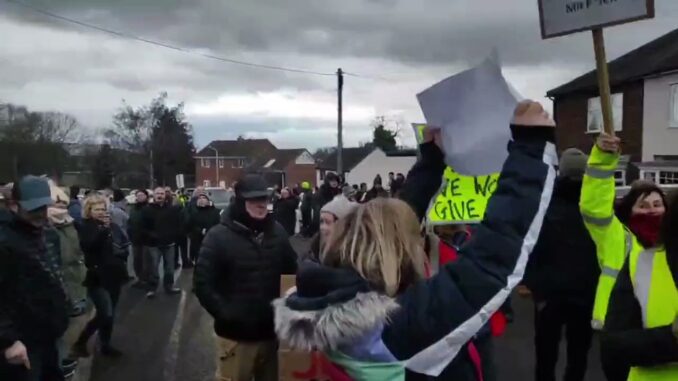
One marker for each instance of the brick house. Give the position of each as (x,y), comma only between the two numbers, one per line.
(287,167)
(284,167)
(644,86)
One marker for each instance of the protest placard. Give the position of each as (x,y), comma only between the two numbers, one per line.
(461,199)
(560,17)
(473,110)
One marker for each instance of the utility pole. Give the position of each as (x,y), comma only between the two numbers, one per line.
(340,141)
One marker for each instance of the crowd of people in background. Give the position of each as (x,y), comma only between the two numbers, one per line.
(374,287)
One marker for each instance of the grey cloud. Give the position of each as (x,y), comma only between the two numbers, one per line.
(414,32)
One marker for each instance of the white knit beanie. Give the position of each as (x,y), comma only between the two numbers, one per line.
(340,207)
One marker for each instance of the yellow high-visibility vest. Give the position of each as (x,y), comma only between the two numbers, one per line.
(613,241)
(657,295)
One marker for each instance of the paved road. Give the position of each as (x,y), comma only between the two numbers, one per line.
(170,338)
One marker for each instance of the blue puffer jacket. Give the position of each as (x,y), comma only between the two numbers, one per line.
(424,330)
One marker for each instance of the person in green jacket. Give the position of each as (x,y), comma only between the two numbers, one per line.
(625,241)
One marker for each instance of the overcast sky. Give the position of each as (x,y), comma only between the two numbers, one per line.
(404,45)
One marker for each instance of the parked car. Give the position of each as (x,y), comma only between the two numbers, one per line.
(221,198)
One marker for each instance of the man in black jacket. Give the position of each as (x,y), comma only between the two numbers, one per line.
(33,304)
(135,231)
(238,276)
(162,224)
(562,275)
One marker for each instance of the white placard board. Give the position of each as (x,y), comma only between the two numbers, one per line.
(180,181)
(560,17)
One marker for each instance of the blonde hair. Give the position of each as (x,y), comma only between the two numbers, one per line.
(90,202)
(381,240)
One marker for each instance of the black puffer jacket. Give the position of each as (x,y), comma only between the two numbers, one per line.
(105,264)
(564,265)
(162,224)
(33,304)
(238,276)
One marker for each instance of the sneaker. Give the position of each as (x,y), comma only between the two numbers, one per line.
(79,350)
(150,294)
(68,365)
(109,351)
(172,290)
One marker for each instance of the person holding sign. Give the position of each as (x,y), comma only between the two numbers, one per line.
(367,305)
(641,325)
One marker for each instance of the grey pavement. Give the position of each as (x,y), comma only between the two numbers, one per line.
(170,338)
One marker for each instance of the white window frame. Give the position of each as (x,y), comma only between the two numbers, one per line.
(664,175)
(221,163)
(621,180)
(651,175)
(594,110)
(673,105)
(206,183)
(205,163)
(238,163)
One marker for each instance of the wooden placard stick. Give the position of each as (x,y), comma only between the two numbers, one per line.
(603,80)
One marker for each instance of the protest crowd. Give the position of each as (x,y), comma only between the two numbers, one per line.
(378,296)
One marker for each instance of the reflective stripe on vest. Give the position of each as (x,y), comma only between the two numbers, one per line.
(656,293)
(598,221)
(598,321)
(598,173)
(643,280)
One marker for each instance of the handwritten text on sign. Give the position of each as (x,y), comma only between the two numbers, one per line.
(462,199)
(561,17)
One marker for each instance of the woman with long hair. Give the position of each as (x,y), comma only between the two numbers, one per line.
(105,246)
(640,330)
(367,305)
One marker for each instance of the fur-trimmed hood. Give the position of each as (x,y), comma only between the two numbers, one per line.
(331,309)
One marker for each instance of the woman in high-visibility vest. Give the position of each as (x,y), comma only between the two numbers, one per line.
(643,307)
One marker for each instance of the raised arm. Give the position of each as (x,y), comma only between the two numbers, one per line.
(442,314)
(424,178)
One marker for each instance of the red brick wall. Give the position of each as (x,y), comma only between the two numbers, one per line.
(296,174)
(228,174)
(571,116)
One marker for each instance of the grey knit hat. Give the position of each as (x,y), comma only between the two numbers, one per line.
(573,164)
(340,207)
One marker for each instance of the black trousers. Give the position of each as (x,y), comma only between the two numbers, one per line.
(550,318)
(196,244)
(181,245)
(105,300)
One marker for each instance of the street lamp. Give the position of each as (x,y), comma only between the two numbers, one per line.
(216,166)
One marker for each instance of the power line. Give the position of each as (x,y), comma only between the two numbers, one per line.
(164,45)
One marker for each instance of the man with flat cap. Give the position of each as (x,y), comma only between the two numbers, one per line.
(33,304)
(238,276)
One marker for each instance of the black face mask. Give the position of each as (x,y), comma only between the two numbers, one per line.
(239,213)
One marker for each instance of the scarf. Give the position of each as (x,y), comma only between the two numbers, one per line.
(58,216)
(646,227)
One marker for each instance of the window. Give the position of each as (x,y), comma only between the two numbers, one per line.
(594,122)
(206,183)
(668,177)
(619,178)
(673,104)
(650,175)
(238,163)
(221,163)
(205,163)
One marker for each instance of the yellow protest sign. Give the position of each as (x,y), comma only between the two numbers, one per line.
(461,199)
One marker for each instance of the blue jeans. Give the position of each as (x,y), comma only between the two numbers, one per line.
(155,254)
(104,301)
